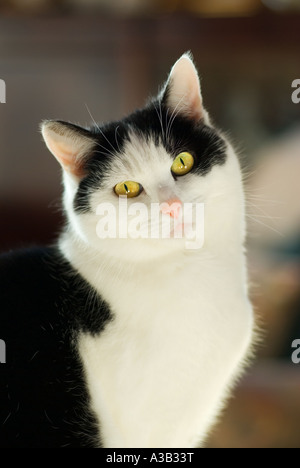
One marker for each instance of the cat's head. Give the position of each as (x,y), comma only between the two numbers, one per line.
(128,184)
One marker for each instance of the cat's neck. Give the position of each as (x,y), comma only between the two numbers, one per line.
(98,267)
(102,271)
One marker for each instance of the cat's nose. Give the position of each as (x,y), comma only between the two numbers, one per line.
(172,207)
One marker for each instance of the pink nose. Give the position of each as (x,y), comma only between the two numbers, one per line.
(171,207)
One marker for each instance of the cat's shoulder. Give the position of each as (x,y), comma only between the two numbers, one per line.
(37,256)
(30,266)
(31,281)
(41,283)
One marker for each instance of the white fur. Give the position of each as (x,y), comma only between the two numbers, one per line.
(160,371)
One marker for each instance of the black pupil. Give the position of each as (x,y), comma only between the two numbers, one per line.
(182,161)
(126,188)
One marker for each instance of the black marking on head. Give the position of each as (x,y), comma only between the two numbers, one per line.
(176,132)
(110,141)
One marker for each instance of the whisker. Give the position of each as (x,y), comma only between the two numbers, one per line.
(173,117)
(167,125)
(246,175)
(266,200)
(259,189)
(106,150)
(116,138)
(266,225)
(159,115)
(97,126)
(259,208)
(90,114)
(267,216)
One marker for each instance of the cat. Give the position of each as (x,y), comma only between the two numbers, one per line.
(130,342)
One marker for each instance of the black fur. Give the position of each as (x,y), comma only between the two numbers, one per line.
(177,133)
(109,140)
(44,306)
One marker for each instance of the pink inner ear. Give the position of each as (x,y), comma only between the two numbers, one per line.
(185,92)
(66,157)
(196,108)
(75,169)
(70,164)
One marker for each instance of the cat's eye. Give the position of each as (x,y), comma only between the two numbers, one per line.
(128,188)
(182,164)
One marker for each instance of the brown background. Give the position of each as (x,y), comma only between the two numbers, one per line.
(57,60)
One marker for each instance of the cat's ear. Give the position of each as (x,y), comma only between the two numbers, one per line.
(182,92)
(70,144)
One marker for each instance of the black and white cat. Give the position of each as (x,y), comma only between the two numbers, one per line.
(130,340)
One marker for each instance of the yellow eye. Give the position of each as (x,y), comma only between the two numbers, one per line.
(182,164)
(129,189)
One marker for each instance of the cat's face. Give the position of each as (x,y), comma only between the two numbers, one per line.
(161,180)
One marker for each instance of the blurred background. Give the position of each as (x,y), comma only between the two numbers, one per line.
(68,58)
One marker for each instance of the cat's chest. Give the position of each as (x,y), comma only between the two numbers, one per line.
(161,309)
(150,361)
